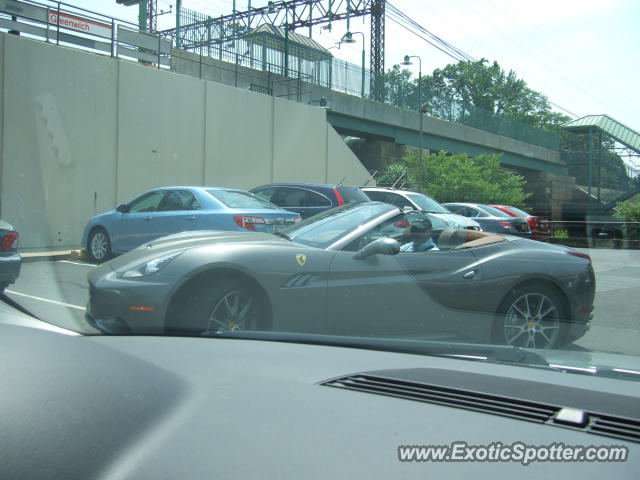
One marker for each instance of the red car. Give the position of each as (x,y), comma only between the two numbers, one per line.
(539,226)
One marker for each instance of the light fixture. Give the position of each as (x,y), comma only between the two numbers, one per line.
(407,60)
(348,38)
(322,102)
(425,107)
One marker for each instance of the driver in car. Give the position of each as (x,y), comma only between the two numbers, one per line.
(420,237)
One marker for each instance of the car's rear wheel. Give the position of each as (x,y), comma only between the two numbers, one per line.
(226,305)
(531,316)
(99,245)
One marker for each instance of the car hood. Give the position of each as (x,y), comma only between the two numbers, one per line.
(194,239)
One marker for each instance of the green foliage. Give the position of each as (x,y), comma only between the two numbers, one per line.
(465,85)
(396,174)
(629,210)
(561,234)
(461,178)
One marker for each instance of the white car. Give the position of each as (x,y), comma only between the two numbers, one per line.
(421,202)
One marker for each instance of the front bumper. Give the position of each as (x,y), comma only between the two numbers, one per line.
(10,265)
(119,305)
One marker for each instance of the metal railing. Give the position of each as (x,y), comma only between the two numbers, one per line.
(269,81)
(69,25)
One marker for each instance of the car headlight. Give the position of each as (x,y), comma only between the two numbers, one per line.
(150,267)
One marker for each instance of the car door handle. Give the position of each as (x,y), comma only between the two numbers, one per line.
(148,218)
(193,217)
(469,275)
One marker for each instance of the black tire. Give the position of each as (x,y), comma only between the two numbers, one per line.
(99,245)
(220,304)
(531,316)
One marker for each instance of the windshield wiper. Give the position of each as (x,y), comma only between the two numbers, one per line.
(470,351)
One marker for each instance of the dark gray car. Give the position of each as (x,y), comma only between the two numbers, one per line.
(10,260)
(307,199)
(342,272)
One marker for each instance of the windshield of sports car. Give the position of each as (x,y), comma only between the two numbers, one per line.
(325,229)
(134,132)
(426,203)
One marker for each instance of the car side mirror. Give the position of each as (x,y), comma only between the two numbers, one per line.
(122,208)
(381,246)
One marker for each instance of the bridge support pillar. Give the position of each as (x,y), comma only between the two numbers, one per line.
(548,192)
(377,154)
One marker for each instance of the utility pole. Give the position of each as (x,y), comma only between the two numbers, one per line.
(377,49)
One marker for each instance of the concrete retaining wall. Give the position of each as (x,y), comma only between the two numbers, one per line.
(82,132)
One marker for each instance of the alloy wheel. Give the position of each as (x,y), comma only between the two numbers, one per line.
(532,321)
(234,311)
(99,245)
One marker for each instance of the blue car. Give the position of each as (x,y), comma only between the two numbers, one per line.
(168,210)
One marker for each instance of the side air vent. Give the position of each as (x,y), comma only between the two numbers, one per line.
(555,415)
(615,427)
(481,402)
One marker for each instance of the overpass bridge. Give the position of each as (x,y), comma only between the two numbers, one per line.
(360,117)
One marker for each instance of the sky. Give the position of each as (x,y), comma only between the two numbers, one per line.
(582,54)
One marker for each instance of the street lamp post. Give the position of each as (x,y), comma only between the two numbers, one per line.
(424,108)
(407,61)
(348,38)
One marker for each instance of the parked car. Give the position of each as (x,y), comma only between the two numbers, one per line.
(342,273)
(491,219)
(163,211)
(581,223)
(10,260)
(421,202)
(539,226)
(307,199)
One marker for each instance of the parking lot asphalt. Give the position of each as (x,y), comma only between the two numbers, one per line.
(57,291)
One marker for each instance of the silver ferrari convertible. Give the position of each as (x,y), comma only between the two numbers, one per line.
(350,271)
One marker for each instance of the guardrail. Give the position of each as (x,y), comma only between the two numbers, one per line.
(596,229)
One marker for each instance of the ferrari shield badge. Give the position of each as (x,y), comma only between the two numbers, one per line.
(301,258)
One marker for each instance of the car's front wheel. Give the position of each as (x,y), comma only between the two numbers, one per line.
(99,245)
(222,305)
(532,317)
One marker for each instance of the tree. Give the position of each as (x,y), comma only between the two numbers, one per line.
(461,178)
(629,211)
(457,88)
(398,87)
